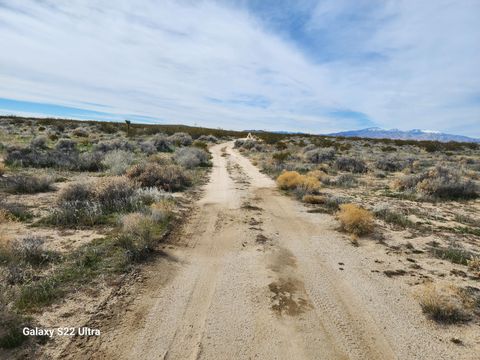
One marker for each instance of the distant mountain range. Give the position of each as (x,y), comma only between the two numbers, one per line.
(415,134)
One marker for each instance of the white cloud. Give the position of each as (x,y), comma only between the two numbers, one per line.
(204,62)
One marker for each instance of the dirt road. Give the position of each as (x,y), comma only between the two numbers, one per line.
(254,276)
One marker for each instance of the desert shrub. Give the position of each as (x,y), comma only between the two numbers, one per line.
(150,195)
(346,181)
(162,210)
(39,142)
(445,184)
(160,159)
(76,213)
(89,161)
(280,156)
(11,326)
(162,143)
(309,147)
(351,165)
(332,203)
(453,253)
(208,138)
(15,211)
(66,145)
(444,304)
(181,139)
(80,132)
(384,212)
(244,143)
(30,250)
(64,156)
(140,233)
(390,164)
(439,183)
(117,144)
(191,157)
(79,191)
(200,144)
(355,220)
(148,147)
(168,177)
(318,156)
(281,146)
(26,184)
(37,294)
(118,161)
(115,193)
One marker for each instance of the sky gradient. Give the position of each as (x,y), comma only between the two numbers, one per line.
(296,65)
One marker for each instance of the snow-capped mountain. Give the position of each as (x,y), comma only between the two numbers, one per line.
(415,134)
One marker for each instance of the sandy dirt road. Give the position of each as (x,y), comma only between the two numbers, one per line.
(254,276)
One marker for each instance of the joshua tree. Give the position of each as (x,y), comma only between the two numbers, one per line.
(128,122)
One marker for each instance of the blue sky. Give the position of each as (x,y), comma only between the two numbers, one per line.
(301,65)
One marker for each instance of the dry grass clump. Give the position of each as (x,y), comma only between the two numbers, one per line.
(445,304)
(317,174)
(5,216)
(168,177)
(474,265)
(355,220)
(314,199)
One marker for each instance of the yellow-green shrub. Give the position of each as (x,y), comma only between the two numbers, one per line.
(304,184)
(355,220)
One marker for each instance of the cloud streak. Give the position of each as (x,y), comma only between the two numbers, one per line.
(234,65)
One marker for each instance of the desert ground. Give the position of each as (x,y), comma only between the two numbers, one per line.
(279,247)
